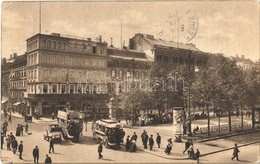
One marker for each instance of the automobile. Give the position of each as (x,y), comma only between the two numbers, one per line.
(54,131)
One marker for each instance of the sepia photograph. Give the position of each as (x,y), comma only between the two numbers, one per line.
(130,81)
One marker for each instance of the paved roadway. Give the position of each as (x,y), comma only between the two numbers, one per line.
(86,150)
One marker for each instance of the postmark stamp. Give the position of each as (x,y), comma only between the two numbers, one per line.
(180,26)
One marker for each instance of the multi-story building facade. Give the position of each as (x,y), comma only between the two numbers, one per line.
(170,53)
(126,68)
(5,84)
(18,82)
(61,71)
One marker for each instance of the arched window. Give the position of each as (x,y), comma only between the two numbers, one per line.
(48,44)
(54,45)
(59,46)
(43,43)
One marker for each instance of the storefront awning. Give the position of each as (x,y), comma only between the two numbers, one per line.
(3,101)
(17,103)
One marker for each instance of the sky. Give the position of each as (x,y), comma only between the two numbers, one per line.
(228,27)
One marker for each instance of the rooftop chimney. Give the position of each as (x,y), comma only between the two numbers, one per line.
(111,45)
(15,55)
(243,56)
(100,38)
(11,56)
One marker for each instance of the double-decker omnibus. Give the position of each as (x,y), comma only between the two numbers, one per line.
(71,123)
(108,132)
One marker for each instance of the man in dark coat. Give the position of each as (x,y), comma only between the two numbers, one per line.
(145,138)
(197,156)
(20,149)
(100,149)
(235,152)
(187,145)
(2,140)
(127,144)
(51,146)
(48,159)
(36,154)
(151,142)
(14,145)
(158,140)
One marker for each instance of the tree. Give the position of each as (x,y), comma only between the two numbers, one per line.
(203,89)
(229,80)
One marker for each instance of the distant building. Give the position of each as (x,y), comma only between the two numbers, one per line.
(5,83)
(18,82)
(125,67)
(243,63)
(170,53)
(61,71)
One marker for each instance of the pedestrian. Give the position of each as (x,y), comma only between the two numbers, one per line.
(26,127)
(127,145)
(18,130)
(158,140)
(235,152)
(12,136)
(169,147)
(36,154)
(187,145)
(197,156)
(21,128)
(191,152)
(48,159)
(151,142)
(134,137)
(20,149)
(133,147)
(14,145)
(8,142)
(10,117)
(2,140)
(53,115)
(4,130)
(100,149)
(51,146)
(145,138)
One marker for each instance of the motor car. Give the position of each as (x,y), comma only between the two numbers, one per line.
(54,131)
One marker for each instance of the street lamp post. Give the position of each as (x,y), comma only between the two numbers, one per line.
(133,103)
(189,121)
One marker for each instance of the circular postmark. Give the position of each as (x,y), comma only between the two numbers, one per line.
(179,26)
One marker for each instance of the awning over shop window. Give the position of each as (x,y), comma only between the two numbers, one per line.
(17,103)
(3,101)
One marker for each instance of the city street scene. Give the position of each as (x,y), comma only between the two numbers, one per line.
(130,82)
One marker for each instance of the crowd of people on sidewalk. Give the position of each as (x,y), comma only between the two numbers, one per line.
(12,142)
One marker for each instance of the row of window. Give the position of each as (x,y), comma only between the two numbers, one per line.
(57,45)
(32,74)
(32,59)
(16,94)
(21,73)
(179,60)
(67,89)
(68,75)
(72,60)
(121,74)
(18,84)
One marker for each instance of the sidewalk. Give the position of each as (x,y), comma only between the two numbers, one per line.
(42,119)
